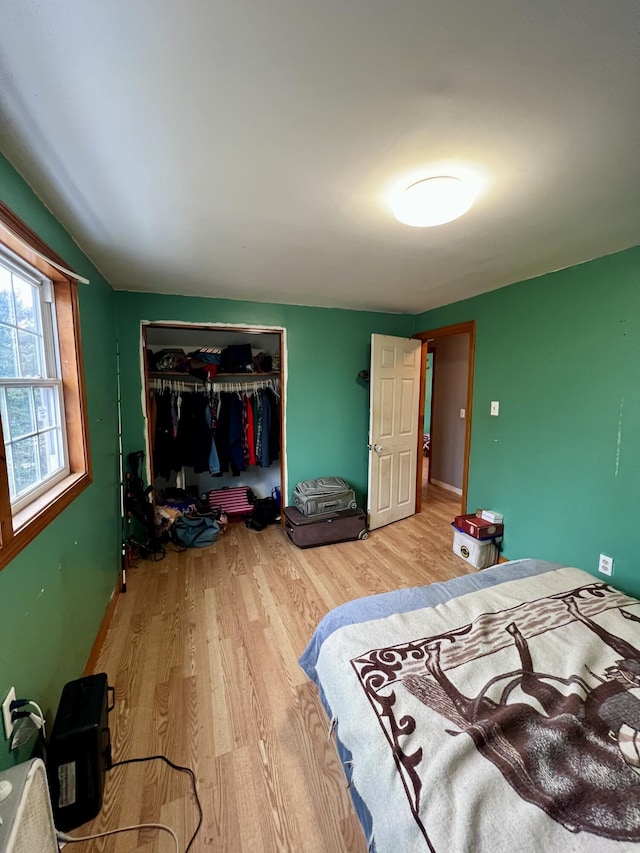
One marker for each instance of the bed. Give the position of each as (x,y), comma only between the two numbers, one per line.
(499,711)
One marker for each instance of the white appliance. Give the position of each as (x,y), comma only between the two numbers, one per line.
(26,819)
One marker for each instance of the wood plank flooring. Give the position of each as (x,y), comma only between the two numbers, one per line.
(202,653)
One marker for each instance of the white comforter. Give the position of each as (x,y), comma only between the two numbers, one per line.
(503,720)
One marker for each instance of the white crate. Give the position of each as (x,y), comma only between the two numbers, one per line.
(480,553)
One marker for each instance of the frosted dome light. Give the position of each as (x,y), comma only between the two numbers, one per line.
(433,201)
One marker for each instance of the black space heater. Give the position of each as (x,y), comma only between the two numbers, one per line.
(79,751)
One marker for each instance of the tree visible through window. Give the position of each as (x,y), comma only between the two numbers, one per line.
(31,404)
(46,463)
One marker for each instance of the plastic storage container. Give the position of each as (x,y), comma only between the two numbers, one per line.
(480,553)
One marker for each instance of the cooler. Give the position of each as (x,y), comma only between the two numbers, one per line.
(480,553)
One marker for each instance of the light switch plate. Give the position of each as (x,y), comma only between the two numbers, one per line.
(495,408)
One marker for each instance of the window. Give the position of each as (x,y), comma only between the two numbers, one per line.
(31,404)
(45,464)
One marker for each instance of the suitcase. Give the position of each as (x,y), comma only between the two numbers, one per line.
(307,531)
(233,500)
(326,494)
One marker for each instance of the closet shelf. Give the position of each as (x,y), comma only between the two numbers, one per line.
(188,377)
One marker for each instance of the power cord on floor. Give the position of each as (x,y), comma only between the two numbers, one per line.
(70,839)
(174,767)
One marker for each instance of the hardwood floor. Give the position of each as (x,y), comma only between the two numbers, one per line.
(202,653)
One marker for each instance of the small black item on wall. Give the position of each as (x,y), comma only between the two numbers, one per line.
(363,377)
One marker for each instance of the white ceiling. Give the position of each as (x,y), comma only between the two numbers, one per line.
(243,149)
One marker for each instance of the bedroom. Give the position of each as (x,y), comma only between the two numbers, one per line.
(561,462)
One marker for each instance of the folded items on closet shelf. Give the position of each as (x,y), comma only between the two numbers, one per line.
(263,363)
(210,355)
(237,358)
(203,371)
(168,359)
(206,362)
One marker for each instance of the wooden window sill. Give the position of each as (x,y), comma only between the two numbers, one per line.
(32,520)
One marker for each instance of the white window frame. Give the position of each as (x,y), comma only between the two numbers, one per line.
(52,371)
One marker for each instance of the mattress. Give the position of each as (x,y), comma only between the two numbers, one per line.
(497,711)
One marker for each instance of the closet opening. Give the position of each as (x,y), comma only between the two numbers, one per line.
(214,408)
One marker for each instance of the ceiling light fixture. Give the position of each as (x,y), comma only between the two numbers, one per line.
(433,201)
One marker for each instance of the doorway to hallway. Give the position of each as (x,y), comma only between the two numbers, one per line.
(445,417)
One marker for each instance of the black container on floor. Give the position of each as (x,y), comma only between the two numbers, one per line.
(307,531)
(80,751)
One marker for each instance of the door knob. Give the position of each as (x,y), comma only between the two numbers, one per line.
(377,448)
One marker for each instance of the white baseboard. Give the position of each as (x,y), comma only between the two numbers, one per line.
(447,486)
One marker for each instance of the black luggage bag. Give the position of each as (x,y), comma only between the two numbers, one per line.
(306,531)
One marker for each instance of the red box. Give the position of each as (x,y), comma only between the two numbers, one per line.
(478,527)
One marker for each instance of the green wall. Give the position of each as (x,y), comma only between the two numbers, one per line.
(327,410)
(562,461)
(53,595)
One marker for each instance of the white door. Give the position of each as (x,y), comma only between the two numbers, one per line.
(393,428)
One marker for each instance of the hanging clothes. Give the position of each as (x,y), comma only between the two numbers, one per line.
(274,425)
(259,428)
(222,430)
(245,430)
(229,434)
(165,454)
(236,453)
(251,438)
(215,432)
(194,432)
(264,458)
(214,461)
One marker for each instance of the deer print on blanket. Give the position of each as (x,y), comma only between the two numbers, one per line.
(567,742)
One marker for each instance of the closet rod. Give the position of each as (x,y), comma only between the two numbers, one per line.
(185,384)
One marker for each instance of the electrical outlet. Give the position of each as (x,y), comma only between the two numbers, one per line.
(605,565)
(6,712)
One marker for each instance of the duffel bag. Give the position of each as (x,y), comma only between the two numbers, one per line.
(196,532)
